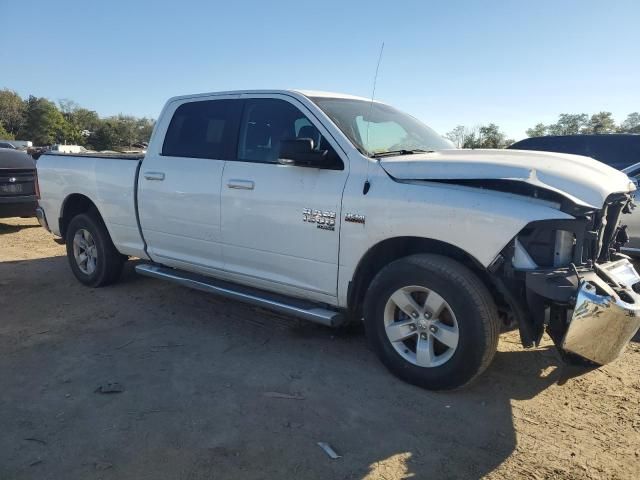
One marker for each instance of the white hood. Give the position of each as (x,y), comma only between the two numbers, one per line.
(581,179)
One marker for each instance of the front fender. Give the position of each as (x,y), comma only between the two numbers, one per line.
(478,222)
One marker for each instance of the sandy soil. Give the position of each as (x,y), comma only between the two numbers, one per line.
(198,372)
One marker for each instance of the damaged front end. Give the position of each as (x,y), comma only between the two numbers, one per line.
(569,278)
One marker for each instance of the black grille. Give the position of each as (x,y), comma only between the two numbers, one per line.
(608,221)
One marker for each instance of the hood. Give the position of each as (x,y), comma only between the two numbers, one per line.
(16,159)
(580,179)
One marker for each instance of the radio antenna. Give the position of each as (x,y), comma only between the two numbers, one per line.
(367,183)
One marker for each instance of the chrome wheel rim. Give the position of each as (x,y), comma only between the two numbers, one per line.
(85,251)
(421,326)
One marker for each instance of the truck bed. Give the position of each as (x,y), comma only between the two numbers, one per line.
(109,181)
(109,155)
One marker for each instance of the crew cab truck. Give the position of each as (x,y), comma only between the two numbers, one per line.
(339,209)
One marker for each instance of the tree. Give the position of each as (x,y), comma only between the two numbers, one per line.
(105,136)
(472,140)
(491,136)
(4,135)
(484,136)
(458,135)
(85,119)
(540,130)
(631,124)
(44,124)
(569,124)
(145,129)
(601,122)
(12,110)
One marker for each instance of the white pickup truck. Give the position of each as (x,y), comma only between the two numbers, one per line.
(338,209)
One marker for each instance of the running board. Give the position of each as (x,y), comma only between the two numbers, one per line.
(270,301)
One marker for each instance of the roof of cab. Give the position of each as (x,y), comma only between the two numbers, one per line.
(306,93)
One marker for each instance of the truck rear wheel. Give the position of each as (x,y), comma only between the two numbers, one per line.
(93,258)
(431,321)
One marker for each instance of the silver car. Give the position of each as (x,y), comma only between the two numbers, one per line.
(633,221)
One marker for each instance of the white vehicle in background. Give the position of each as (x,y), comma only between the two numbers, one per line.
(68,148)
(335,209)
(17,144)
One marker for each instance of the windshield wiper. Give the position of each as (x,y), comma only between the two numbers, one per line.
(393,153)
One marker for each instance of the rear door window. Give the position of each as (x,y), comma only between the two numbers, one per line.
(204,129)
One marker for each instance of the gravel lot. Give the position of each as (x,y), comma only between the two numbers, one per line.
(199,374)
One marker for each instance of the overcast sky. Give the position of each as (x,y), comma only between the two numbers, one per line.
(513,63)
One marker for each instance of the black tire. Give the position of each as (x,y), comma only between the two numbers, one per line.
(478,324)
(109,261)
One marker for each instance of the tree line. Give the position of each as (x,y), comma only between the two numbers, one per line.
(490,136)
(45,123)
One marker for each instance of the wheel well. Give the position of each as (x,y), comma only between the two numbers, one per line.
(392,249)
(73,205)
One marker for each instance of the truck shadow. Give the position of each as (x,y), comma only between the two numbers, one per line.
(196,371)
(468,433)
(14,228)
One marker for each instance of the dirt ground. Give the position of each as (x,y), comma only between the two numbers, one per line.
(199,374)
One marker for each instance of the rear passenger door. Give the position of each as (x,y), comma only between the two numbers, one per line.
(180,180)
(280,223)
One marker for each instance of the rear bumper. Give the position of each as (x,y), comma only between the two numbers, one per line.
(605,317)
(18,206)
(42,219)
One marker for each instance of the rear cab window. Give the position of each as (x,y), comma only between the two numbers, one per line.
(204,129)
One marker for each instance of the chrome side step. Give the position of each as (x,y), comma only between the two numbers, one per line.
(259,298)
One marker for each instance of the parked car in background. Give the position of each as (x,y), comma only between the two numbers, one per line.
(618,150)
(621,151)
(17,184)
(7,145)
(19,144)
(633,221)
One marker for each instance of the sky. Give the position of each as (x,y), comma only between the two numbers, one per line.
(513,63)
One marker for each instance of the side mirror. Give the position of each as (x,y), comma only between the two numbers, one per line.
(300,152)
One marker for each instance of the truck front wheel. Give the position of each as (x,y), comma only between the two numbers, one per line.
(431,321)
(93,258)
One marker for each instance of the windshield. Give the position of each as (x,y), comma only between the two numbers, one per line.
(376,129)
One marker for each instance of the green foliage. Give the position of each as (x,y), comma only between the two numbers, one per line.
(581,123)
(602,122)
(4,135)
(540,130)
(45,123)
(12,109)
(483,136)
(458,135)
(491,136)
(569,124)
(121,131)
(105,136)
(631,124)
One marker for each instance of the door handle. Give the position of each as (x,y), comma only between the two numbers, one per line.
(241,184)
(154,176)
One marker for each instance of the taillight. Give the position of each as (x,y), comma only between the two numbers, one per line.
(37,186)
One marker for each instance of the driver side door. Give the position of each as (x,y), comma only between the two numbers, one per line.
(280,223)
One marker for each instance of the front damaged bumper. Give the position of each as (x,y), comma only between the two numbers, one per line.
(606,315)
